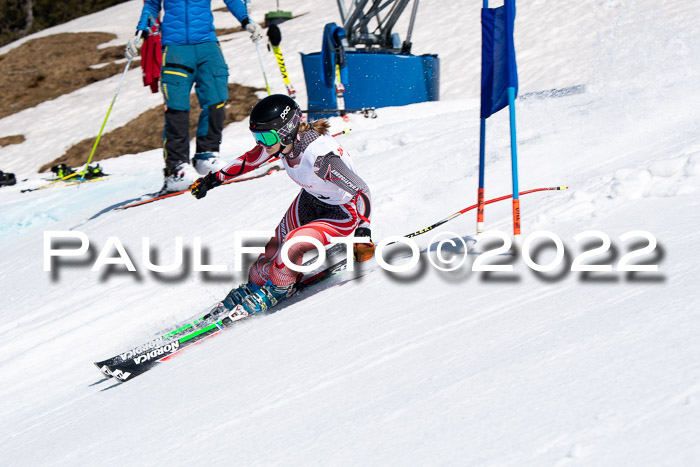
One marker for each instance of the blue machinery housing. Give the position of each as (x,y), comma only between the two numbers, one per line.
(371,77)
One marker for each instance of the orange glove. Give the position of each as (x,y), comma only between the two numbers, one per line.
(363,251)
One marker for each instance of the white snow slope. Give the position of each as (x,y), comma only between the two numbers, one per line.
(418,368)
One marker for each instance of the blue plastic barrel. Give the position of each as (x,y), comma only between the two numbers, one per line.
(375,79)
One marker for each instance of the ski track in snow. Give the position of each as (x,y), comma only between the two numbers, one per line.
(423,368)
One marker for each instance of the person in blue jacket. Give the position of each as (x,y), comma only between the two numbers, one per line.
(191,56)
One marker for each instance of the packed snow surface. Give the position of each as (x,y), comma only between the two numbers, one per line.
(417,368)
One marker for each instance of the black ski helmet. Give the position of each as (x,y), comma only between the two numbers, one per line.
(277,112)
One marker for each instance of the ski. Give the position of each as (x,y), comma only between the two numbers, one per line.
(340,91)
(152,197)
(367,112)
(71,177)
(67,184)
(138,360)
(142,358)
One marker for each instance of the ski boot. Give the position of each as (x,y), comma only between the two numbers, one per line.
(205,162)
(178,179)
(7,179)
(94,171)
(266,297)
(62,171)
(236,296)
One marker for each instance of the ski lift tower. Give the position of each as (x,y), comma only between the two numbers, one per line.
(364,63)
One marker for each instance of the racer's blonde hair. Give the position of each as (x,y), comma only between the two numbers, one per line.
(320,126)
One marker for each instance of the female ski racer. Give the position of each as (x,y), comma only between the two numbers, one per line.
(333,202)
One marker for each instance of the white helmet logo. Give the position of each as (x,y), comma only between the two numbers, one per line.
(285,112)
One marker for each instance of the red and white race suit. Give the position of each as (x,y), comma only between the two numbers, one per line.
(333,201)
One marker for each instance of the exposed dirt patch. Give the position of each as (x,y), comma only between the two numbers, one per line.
(263,24)
(145,132)
(48,67)
(224,31)
(14,139)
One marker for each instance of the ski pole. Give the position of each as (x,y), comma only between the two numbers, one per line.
(283,70)
(262,67)
(474,206)
(321,275)
(274,36)
(346,131)
(338,247)
(99,135)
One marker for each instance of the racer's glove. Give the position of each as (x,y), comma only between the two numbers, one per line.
(200,186)
(363,251)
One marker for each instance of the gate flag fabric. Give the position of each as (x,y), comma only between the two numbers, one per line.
(498,67)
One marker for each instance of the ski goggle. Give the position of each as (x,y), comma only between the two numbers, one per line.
(267,138)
